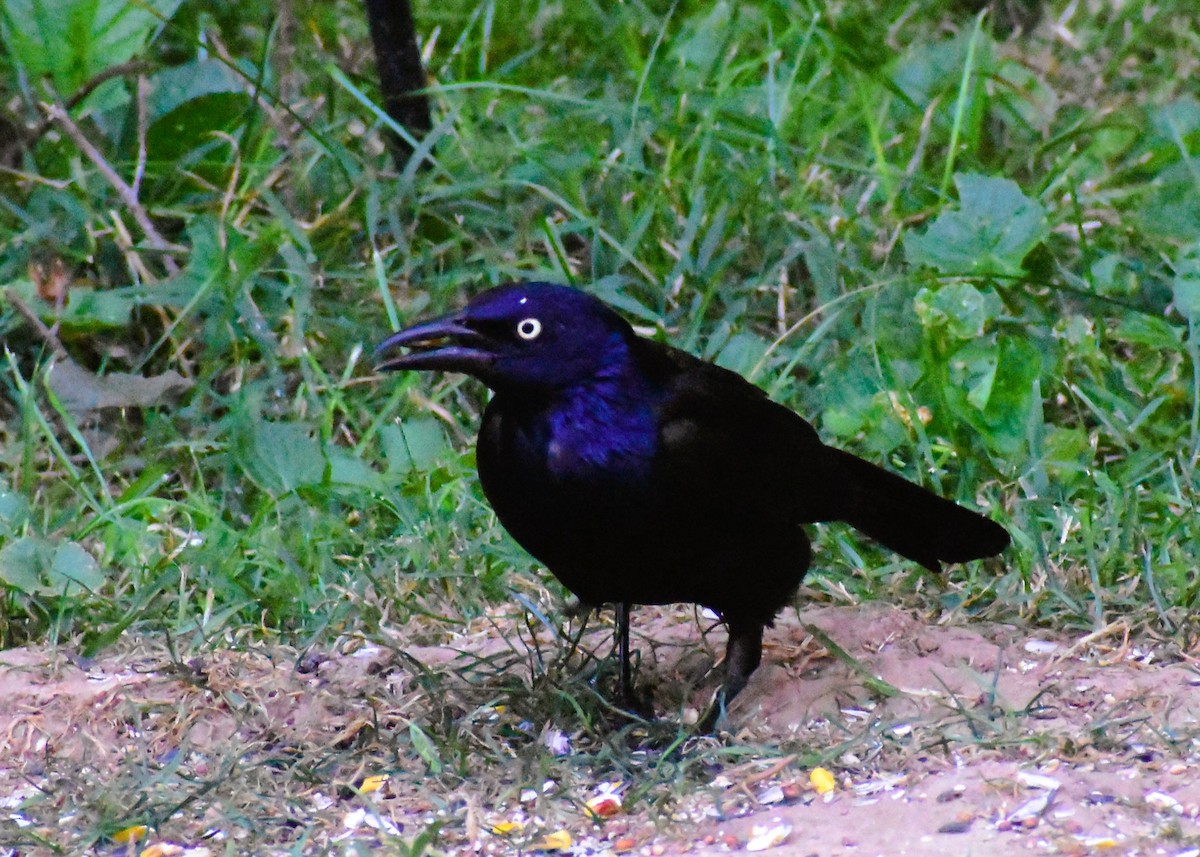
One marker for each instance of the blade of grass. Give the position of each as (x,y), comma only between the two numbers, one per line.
(961,103)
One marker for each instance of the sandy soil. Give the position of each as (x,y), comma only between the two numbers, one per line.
(982,739)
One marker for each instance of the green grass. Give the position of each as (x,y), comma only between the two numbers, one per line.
(968,257)
(779,187)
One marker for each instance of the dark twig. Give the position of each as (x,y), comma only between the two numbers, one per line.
(401,77)
(128,195)
(26,312)
(77,97)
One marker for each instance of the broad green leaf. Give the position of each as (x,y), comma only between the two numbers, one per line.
(993,388)
(1178,119)
(21,562)
(1111,275)
(282,456)
(74,40)
(347,470)
(37,566)
(416,444)
(962,308)
(1067,448)
(698,47)
(88,311)
(73,569)
(14,512)
(1186,285)
(189,102)
(1173,209)
(91,310)
(742,352)
(990,233)
(930,67)
(822,262)
(174,87)
(1142,329)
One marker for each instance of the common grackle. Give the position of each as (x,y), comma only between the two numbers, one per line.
(639,474)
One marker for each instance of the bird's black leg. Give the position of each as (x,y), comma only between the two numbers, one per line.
(743,654)
(623,652)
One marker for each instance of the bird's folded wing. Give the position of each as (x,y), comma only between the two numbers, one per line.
(725,448)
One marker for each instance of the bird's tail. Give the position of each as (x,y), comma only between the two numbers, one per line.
(912,521)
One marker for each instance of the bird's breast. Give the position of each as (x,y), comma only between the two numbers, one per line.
(572,461)
(588,433)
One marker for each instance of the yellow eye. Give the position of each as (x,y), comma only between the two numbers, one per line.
(529,328)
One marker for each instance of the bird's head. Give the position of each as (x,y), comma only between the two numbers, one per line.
(519,336)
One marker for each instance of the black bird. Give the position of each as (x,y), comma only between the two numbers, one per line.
(639,474)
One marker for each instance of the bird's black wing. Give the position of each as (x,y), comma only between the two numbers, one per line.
(725,448)
(726,445)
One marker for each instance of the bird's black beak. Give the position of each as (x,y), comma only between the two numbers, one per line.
(445,343)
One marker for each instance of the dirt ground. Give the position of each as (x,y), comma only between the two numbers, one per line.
(868,731)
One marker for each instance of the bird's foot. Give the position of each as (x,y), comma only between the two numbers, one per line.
(635,701)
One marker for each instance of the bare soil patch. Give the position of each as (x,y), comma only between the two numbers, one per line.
(1000,740)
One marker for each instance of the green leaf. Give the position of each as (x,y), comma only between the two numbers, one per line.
(993,386)
(14,512)
(175,87)
(282,457)
(1178,119)
(425,748)
(1186,285)
(698,47)
(1142,329)
(962,308)
(742,352)
(931,67)
(89,310)
(189,102)
(1173,209)
(1067,452)
(991,233)
(821,259)
(347,470)
(1111,275)
(39,567)
(416,444)
(73,567)
(74,40)
(20,564)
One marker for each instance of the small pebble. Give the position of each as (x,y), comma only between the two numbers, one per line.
(956,826)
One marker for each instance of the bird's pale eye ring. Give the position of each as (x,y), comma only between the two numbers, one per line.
(529,328)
